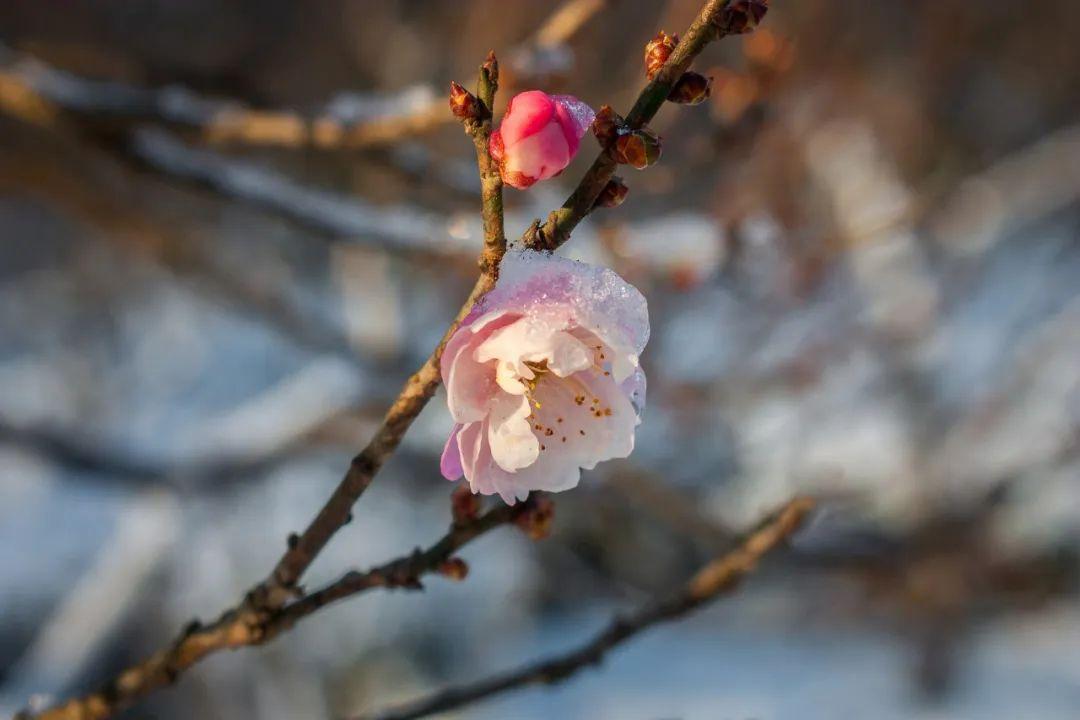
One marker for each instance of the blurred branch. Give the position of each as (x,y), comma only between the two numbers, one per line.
(401,228)
(717,578)
(369,120)
(567,19)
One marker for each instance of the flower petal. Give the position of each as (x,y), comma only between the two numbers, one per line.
(450,463)
(513,445)
(527,114)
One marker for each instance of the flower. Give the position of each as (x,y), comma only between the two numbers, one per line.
(542,377)
(539,136)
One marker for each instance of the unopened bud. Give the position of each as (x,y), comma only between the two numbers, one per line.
(657,51)
(538,517)
(463,103)
(639,148)
(490,68)
(454,568)
(691,89)
(607,125)
(613,193)
(741,16)
(464,504)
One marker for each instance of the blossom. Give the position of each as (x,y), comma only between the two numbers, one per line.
(539,136)
(542,377)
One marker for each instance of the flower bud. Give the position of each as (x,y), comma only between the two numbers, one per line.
(539,136)
(613,193)
(639,148)
(607,125)
(691,89)
(490,69)
(463,103)
(741,16)
(454,569)
(657,51)
(538,517)
(464,504)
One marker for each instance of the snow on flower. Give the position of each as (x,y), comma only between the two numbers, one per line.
(542,378)
(539,136)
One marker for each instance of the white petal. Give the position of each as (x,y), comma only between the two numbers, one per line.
(513,445)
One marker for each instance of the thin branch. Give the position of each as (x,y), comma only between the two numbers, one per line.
(418,390)
(561,222)
(405,572)
(718,578)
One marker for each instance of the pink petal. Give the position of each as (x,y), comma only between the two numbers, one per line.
(450,464)
(526,115)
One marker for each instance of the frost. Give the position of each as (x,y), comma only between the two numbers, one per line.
(548,287)
(582,114)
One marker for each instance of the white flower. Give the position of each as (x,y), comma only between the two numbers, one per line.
(543,379)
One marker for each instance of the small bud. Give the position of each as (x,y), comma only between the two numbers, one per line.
(691,89)
(657,51)
(538,137)
(639,148)
(454,568)
(490,68)
(464,504)
(613,193)
(463,103)
(741,16)
(537,518)
(607,125)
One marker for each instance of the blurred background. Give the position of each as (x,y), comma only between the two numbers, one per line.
(229,230)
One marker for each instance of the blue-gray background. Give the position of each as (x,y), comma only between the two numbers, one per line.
(863,268)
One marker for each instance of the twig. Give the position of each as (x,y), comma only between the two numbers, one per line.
(719,577)
(404,572)
(561,222)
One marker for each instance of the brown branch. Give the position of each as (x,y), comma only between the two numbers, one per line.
(561,222)
(717,578)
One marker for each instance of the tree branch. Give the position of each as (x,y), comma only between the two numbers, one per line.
(717,578)
(561,222)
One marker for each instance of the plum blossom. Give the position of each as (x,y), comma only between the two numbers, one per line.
(542,377)
(539,136)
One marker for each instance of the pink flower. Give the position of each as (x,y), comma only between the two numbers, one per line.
(539,136)
(542,378)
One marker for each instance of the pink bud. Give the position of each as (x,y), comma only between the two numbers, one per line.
(539,136)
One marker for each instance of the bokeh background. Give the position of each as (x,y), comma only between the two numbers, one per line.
(862,258)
